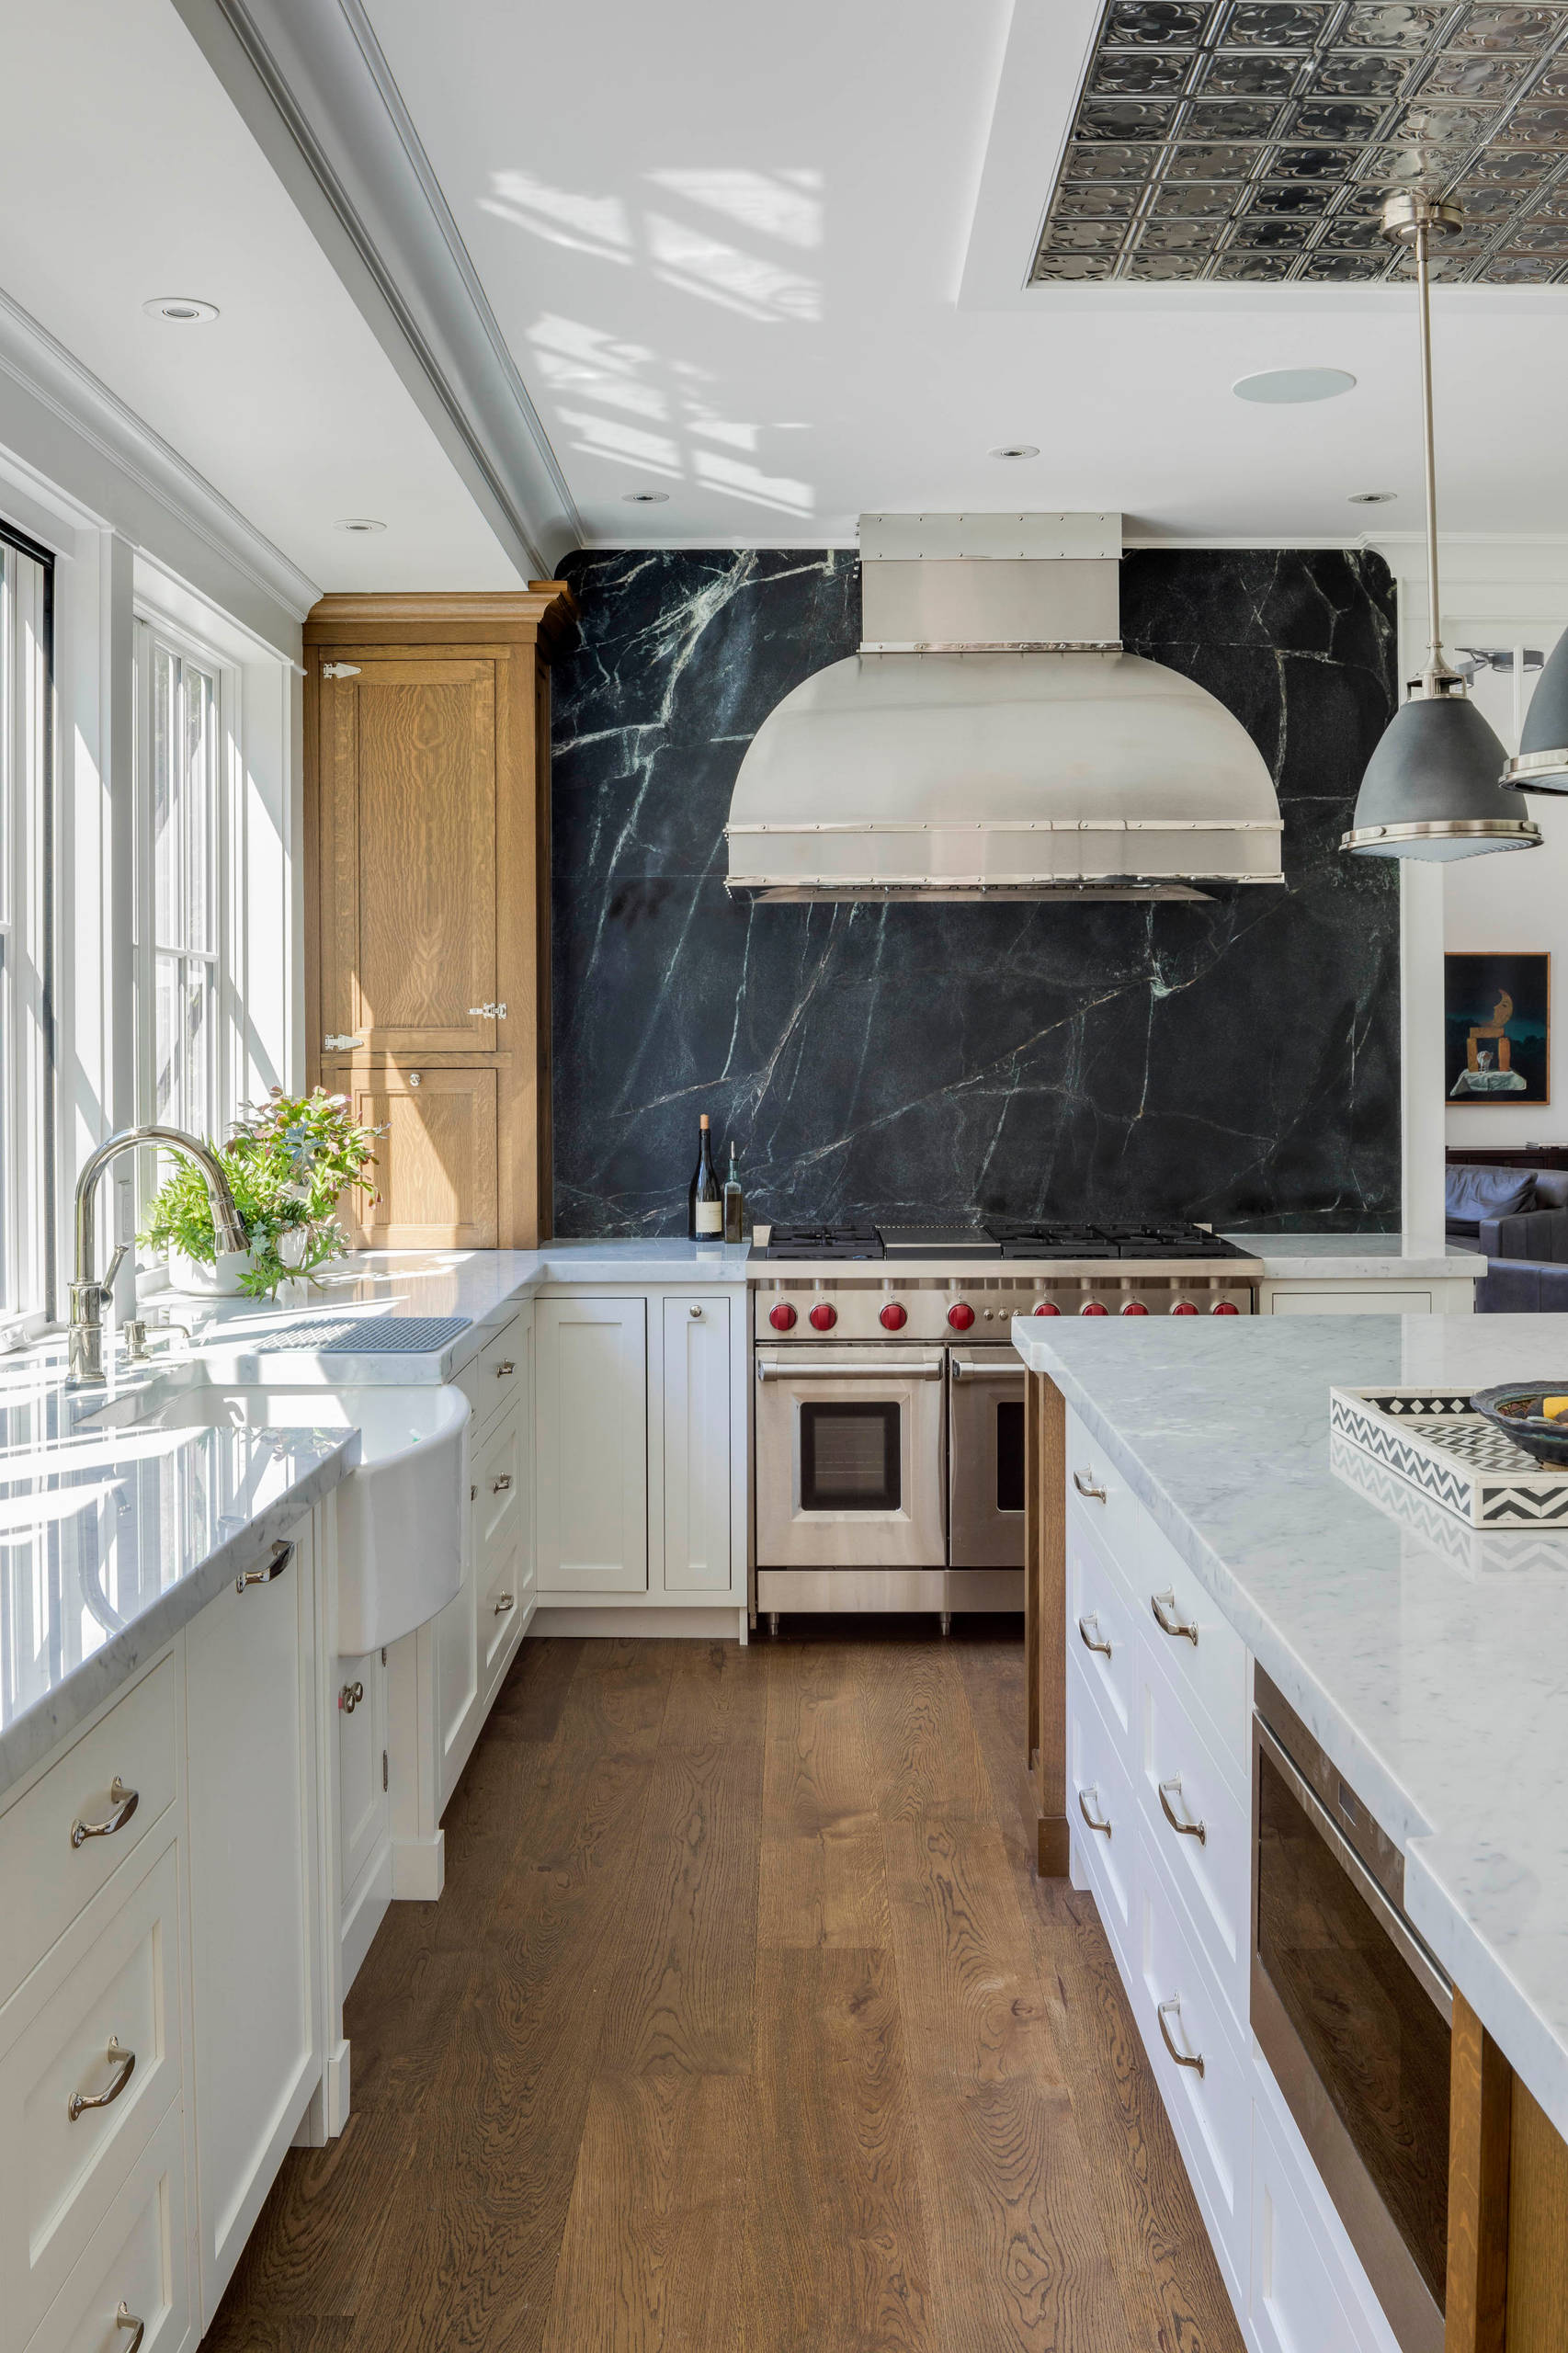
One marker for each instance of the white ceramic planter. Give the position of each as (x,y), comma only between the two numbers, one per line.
(220,1282)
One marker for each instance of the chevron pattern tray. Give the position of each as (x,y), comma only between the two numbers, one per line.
(1432,1438)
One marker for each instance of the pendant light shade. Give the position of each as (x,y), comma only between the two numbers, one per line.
(1431,788)
(1434,787)
(1542,763)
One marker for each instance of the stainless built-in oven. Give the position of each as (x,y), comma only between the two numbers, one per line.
(985,1477)
(1353,2014)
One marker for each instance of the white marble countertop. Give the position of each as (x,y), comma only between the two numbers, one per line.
(1436,1676)
(112,1538)
(1357,1257)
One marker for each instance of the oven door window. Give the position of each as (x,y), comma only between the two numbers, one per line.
(1377,2045)
(1010,1456)
(850,1458)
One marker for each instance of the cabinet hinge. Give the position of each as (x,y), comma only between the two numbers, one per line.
(340,669)
(336,1042)
(488,1012)
(383,1769)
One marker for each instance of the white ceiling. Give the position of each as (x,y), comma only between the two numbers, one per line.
(125,173)
(772,265)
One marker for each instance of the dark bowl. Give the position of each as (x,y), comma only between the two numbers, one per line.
(1514,1407)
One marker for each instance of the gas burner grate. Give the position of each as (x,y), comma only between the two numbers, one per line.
(1254,139)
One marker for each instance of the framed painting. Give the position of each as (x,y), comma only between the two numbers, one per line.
(1497,1027)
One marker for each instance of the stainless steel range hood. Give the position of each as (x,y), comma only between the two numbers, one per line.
(990,738)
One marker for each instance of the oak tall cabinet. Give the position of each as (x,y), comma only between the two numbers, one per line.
(428,902)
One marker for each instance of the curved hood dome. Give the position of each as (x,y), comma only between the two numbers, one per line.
(949,774)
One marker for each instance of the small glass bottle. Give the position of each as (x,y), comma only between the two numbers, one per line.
(734,1200)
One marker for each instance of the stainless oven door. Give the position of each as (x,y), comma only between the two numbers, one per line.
(849,1457)
(985,1458)
(1353,2015)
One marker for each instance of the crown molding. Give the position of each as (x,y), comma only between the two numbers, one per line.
(59,382)
(319,96)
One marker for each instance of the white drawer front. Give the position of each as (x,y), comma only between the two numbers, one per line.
(1097,1492)
(133,1744)
(1202,1655)
(1179,2004)
(1210,1857)
(1098,1790)
(1300,2297)
(1101,1632)
(59,2172)
(496,1472)
(494,1377)
(136,2258)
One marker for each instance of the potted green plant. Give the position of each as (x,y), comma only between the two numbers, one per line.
(289,1162)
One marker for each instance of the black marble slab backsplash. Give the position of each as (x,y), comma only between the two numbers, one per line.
(1236,1062)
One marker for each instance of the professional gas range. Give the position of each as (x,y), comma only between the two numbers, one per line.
(889,1402)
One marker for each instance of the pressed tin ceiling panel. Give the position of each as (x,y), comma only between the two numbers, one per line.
(1253,140)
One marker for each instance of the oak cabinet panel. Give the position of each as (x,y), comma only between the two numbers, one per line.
(437,1166)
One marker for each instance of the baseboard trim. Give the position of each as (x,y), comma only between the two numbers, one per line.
(419,1869)
(716,1623)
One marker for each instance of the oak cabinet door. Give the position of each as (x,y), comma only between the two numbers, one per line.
(591,1472)
(408,855)
(437,1166)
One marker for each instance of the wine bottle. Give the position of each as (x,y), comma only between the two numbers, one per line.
(706,1198)
(735,1200)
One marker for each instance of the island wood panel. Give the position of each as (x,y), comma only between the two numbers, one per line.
(428,860)
(1507,2279)
(1046,1594)
(438,1164)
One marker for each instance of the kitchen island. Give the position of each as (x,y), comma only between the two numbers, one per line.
(1190,1522)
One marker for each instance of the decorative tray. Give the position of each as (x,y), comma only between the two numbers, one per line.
(1435,1441)
(1478,1554)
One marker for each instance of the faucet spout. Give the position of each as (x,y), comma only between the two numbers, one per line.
(88,1292)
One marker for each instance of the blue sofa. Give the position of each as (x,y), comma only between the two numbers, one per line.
(1517,1220)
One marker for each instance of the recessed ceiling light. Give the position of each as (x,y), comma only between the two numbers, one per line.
(1373,497)
(646,497)
(1016,450)
(358,523)
(184,309)
(1295,384)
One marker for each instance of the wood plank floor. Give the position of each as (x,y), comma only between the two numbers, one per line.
(742,2027)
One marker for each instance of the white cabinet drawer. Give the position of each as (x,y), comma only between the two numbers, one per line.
(1301,2297)
(1201,1653)
(136,2259)
(133,1744)
(60,2171)
(1101,1632)
(1100,1792)
(1181,2010)
(1098,1493)
(494,1377)
(1210,1857)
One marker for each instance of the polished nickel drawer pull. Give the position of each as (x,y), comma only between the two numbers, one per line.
(1088,1488)
(125,2318)
(124,2065)
(123,1804)
(1187,1829)
(1103,1827)
(504,1369)
(1182,2058)
(1093,1641)
(499,1486)
(282,1554)
(504,1602)
(348,1699)
(1162,1602)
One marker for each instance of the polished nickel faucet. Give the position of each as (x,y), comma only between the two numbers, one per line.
(89,1293)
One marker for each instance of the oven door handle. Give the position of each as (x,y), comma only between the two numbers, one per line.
(891,1374)
(987,1371)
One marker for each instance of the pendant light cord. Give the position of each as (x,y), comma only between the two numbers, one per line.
(1435,666)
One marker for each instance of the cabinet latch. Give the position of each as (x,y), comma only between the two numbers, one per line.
(340,669)
(487,1012)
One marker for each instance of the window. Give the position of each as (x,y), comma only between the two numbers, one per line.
(183,1079)
(27,1132)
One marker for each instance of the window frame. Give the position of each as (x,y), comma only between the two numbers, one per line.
(28,1058)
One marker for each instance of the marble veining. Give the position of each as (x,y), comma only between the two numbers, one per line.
(1232,1062)
(1434,1675)
(112,1538)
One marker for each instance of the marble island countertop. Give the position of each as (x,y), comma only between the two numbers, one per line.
(112,1538)
(1435,1675)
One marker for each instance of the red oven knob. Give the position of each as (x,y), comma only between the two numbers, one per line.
(824,1317)
(1048,1307)
(961,1316)
(1184,1307)
(1094,1307)
(1224,1307)
(782,1317)
(1134,1307)
(893,1317)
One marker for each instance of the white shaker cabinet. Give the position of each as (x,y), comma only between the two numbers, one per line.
(694,1458)
(364,1853)
(250,1668)
(591,1435)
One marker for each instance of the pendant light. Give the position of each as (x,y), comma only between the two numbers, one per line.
(1542,762)
(1434,787)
